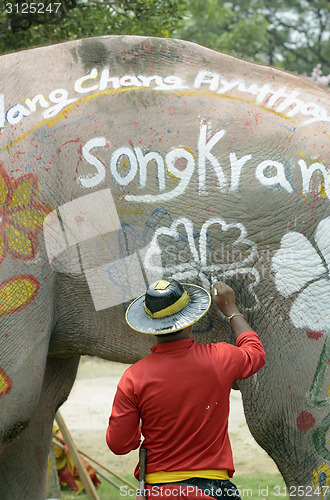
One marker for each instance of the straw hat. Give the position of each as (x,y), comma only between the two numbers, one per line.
(167,306)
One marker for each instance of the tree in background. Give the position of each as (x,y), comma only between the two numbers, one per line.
(290,34)
(27,23)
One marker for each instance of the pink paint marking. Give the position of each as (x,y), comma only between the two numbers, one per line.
(305,421)
(311,334)
(67,142)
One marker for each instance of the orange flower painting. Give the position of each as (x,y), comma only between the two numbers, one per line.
(21,216)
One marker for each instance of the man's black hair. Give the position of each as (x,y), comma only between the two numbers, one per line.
(169,334)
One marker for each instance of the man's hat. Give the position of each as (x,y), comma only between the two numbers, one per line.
(167,306)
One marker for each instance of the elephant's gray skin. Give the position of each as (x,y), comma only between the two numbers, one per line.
(235,185)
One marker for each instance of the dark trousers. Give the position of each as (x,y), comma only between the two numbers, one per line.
(214,488)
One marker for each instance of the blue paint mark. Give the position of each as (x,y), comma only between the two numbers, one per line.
(288,128)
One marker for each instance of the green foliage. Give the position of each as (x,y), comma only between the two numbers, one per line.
(290,34)
(20,27)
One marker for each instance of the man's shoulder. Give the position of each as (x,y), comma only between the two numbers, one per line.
(139,365)
(211,346)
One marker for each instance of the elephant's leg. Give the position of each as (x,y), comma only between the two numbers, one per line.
(23,463)
(27,317)
(289,415)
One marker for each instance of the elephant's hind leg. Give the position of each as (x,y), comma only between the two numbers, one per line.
(23,463)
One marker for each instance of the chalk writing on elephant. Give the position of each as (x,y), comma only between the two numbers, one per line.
(280,100)
(270,172)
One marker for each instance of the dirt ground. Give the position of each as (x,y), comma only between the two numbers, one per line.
(87,411)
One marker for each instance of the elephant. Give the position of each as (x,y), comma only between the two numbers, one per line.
(127,159)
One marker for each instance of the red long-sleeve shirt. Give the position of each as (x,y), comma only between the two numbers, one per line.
(181,393)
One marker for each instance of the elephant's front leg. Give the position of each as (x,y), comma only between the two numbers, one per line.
(24,462)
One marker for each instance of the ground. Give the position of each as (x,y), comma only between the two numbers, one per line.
(87,411)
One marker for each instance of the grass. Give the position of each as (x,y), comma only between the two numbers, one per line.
(261,486)
(105,490)
(256,487)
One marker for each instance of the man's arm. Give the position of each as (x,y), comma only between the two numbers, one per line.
(224,298)
(123,432)
(250,356)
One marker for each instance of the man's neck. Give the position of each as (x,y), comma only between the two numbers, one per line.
(161,339)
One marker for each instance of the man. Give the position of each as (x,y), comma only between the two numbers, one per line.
(181,392)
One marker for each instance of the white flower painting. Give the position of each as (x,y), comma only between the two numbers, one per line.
(195,262)
(301,267)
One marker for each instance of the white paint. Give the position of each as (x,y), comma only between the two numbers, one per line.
(2,111)
(16,113)
(295,264)
(129,81)
(89,182)
(270,173)
(105,79)
(61,100)
(290,100)
(78,86)
(143,162)
(251,89)
(197,266)
(278,178)
(311,309)
(207,77)
(241,240)
(38,99)
(298,267)
(322,239)
(124,180)
(264,95)
(184,177)
(227,85)
(236,165)
(147,80)
(204,153)
(307,172)
(171,83)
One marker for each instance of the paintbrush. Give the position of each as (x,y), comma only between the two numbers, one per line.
(214,280)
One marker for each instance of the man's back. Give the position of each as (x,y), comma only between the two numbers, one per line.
(181,393)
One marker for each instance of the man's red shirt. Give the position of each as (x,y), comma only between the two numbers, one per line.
(181,394)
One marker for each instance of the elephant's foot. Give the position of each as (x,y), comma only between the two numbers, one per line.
(23,462)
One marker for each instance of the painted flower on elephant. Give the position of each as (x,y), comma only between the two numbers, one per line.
(302,269)
(21,216)
(5,382)
(218,249)
(17,292)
